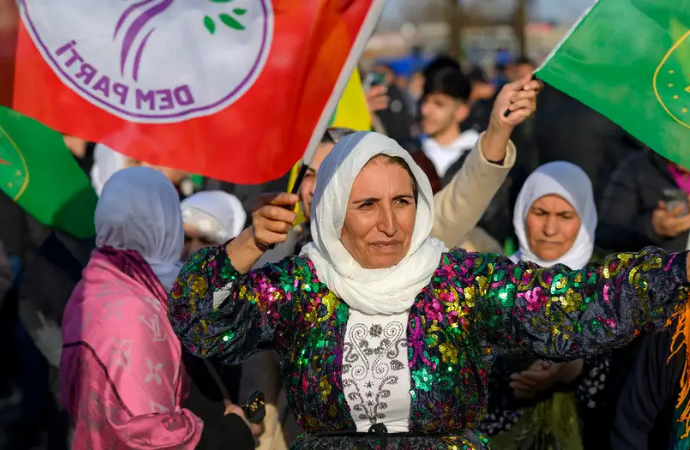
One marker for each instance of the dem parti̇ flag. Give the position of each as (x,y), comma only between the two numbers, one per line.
(231,89)
(630,60)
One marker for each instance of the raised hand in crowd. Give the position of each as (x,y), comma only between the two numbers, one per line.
(377,98)
(520,98)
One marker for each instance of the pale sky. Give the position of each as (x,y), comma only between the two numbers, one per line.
(566,11)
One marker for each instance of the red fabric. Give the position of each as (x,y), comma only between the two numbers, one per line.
(428,168)
(256,139)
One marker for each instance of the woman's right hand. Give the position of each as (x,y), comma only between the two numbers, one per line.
(256,429)
(274,219)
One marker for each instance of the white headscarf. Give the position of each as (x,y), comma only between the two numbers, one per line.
(217,214)
(139,209)
(370,291)
(106,162)
(570,182)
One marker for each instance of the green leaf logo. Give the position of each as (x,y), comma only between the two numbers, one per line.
(230,20)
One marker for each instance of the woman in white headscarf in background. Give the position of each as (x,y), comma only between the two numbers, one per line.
(555,219)
(211,218)
(122,372)
(121,364)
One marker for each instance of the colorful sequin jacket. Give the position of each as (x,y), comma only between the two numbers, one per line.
(475,307)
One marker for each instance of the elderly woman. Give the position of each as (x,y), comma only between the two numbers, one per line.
(385,336)
(532,404)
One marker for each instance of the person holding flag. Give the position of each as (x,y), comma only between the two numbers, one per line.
(385,336)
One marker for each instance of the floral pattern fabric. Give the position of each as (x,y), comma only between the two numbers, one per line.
(475,307)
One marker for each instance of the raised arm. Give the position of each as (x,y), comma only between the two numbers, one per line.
(561,314)
(219,309)
(460,205)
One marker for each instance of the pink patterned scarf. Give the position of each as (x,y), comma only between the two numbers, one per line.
(121,369)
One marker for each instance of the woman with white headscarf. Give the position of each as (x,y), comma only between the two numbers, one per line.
(121,364)
(210,218)
(122,376)
(555,220)
(385,336)
(555,217)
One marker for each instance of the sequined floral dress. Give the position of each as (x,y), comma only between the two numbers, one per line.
(476,307)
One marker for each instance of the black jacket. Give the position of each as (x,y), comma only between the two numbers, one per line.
(567,130)
(497,220)
(630,198)
(644,416)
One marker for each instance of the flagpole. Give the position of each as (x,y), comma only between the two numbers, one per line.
(350,63)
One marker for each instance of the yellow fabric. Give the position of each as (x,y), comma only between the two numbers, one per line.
(553,423)
(352,111)
(291,183)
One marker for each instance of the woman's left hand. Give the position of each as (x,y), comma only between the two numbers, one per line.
(542,376)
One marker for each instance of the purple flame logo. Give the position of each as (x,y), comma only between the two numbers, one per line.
(145,11)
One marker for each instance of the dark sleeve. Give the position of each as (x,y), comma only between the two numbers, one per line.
(207,402)
(219,313)
(5,275)
(497,220)
(649,388)
(562,314)
(622,226)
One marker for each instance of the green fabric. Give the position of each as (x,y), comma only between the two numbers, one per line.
(509,247)
(39,172)
(198,181)
(630,60)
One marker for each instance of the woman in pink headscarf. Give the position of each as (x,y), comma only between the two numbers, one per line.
(121,370)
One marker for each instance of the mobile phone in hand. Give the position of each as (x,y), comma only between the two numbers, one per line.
(255,408)
(675,198)
(374,79)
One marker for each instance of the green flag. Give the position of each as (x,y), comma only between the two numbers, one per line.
(39,173)
(630,61)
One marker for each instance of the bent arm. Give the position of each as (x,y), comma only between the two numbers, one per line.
(460,205)
(217,312)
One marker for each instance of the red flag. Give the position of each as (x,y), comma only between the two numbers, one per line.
(8,43)
(231,89)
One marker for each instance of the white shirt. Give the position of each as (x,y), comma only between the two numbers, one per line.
(444,157)
(376,371)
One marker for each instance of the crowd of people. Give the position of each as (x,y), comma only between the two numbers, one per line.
(475,272)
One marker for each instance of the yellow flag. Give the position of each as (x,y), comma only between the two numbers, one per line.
(352,111)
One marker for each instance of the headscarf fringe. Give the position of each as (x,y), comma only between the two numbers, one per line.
(680,340)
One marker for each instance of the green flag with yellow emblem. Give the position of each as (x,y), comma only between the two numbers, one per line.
(40,174)
(630,60)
